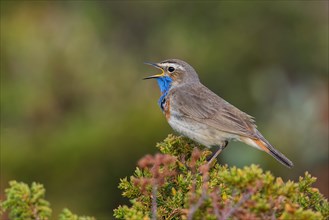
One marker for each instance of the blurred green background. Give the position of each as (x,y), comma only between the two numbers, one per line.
(76,116)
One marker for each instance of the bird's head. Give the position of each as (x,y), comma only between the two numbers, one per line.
(174,72)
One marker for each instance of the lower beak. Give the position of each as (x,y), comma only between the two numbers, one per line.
(157,75)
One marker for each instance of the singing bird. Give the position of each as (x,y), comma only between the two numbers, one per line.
(196,112)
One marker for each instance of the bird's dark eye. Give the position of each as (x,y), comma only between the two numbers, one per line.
(171,69)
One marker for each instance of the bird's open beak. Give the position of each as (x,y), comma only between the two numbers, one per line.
(156,66)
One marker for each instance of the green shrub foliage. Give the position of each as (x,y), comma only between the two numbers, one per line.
(28,203)
(180,184)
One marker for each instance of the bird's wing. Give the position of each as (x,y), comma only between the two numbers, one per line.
(198,103)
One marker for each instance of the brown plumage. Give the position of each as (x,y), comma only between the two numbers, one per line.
(196,112)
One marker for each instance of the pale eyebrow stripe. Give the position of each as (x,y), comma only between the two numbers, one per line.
(173,62)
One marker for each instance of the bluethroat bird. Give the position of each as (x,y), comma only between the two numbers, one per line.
(194,111)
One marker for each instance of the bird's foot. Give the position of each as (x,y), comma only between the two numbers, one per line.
(214,156)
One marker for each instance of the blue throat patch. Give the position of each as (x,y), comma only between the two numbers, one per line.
(164,85)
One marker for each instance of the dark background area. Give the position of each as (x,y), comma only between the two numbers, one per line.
(76,116)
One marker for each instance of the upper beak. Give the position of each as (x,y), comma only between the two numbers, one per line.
(156,66)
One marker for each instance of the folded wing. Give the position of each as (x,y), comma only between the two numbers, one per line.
(202,105)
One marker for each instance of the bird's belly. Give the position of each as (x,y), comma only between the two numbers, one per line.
(199,132)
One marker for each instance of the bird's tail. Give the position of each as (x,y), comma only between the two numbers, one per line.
(261,143)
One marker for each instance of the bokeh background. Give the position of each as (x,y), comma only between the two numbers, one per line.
(76,116)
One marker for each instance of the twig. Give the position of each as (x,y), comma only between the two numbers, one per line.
(230,212)
(195,207)
(215,200)
(204,170)
(154,202)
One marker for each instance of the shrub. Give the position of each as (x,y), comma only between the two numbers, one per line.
(28,203)
(180,184)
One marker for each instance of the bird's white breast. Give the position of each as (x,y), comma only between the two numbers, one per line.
(199,132)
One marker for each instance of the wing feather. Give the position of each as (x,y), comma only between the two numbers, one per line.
(200,104)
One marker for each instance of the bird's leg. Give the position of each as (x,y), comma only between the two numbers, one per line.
(217,153)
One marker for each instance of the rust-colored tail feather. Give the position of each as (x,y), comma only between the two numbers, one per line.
(268,148)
